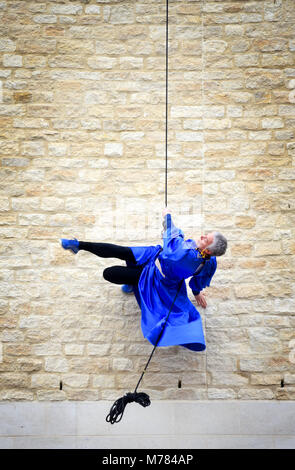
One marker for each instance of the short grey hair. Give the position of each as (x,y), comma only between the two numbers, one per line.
(219,245)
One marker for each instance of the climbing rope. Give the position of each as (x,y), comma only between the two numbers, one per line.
(202,104)
(166,128)
(117,410)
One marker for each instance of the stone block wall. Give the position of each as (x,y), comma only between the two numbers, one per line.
(82,154)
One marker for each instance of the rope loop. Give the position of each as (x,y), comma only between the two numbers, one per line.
(116,412)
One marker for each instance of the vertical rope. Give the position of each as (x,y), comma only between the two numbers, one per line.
(159,337)
(202,104)
(166,128)
(203,150)
(117,410)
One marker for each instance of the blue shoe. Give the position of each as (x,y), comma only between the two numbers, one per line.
(72,245)
(127,288)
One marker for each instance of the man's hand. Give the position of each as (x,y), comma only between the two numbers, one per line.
(200,298)
(166,211)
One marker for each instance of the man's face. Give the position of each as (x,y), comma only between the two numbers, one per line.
(205,240)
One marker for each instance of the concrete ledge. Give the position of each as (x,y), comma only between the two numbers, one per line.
(165,424)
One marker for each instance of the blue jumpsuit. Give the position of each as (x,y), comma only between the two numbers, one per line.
(155,293)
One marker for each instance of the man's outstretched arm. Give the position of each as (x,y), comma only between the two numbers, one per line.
(169,229)
(200,281)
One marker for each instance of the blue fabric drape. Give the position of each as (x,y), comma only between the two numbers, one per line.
(202,280)
(155,293)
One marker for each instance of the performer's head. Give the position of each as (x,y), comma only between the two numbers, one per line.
(213,243)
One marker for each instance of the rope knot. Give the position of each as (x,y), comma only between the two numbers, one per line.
(116,412)
(130,397)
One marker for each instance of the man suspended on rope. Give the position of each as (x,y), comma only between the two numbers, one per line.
(154,273)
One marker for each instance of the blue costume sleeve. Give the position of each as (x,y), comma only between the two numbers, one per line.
(170,231)
(202,280)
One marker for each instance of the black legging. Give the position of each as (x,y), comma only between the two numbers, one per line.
(115,274)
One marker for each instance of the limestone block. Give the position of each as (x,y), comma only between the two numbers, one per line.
(13,380)
(33,149)
(51,395)
(45,19)
(103,381)
(46,349)
(289,378)
(246,60)
(7,45)
(221,393)
(255,394)
(76,380)
(10,60)
(113,150)
(268,248)
(45,381)
(228,379)
(56,364)
(74,349)
(66,9)
(98,349)
(16,395)
(119,14)
(122,364)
